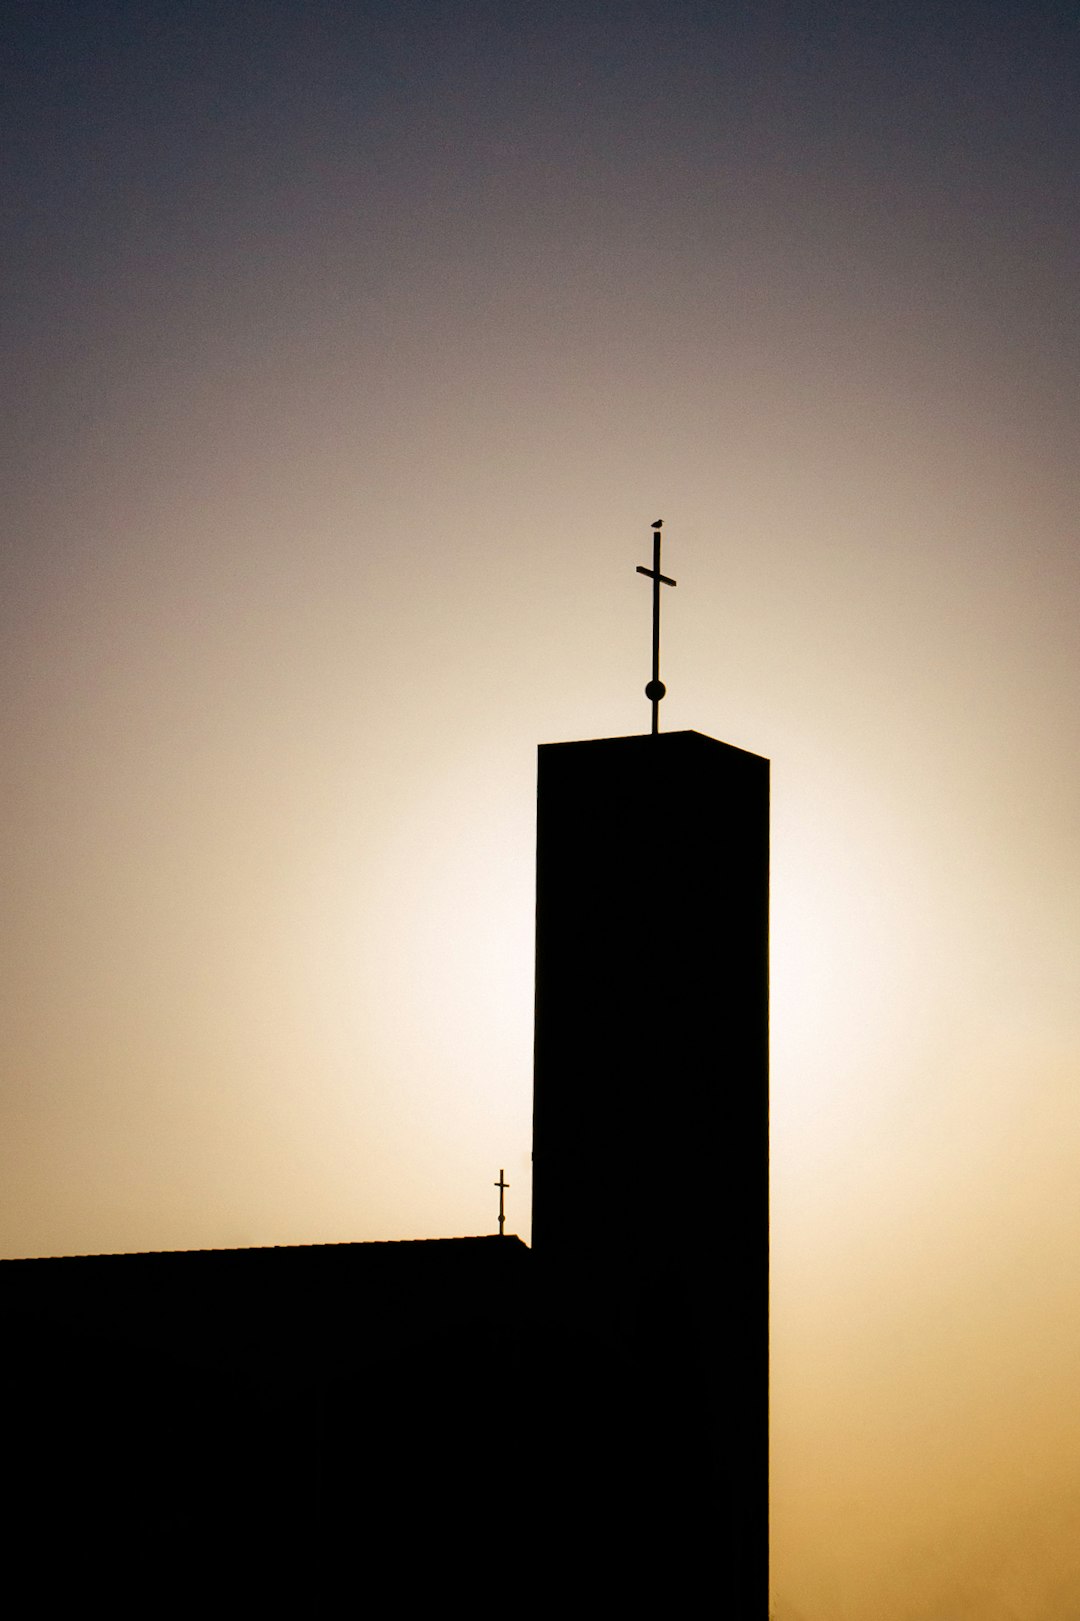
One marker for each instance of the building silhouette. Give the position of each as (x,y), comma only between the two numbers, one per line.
(587,1416)
(650,1122)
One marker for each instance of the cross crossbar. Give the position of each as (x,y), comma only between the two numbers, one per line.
(502,1186)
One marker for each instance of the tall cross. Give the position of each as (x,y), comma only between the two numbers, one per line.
(656,688)
(502,1187)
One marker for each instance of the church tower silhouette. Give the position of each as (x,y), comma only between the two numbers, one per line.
(651,1106)
(650,1127)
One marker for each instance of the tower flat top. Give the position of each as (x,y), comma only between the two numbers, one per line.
(670,742)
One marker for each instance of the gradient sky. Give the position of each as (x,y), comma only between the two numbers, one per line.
(349,351)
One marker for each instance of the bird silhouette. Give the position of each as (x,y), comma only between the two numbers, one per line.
(658,523)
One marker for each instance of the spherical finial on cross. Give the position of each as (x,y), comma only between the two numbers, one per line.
(655,691)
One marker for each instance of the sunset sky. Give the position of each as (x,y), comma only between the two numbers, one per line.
(349,352)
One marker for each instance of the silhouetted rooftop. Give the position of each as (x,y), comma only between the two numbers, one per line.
(264,1308)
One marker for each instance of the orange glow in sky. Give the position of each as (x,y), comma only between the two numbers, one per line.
(347,365)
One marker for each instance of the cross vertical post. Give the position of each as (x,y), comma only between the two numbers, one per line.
(656,688)
(502,1186)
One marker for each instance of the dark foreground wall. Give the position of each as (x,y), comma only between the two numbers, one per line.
(260,1423)
(401,1424)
